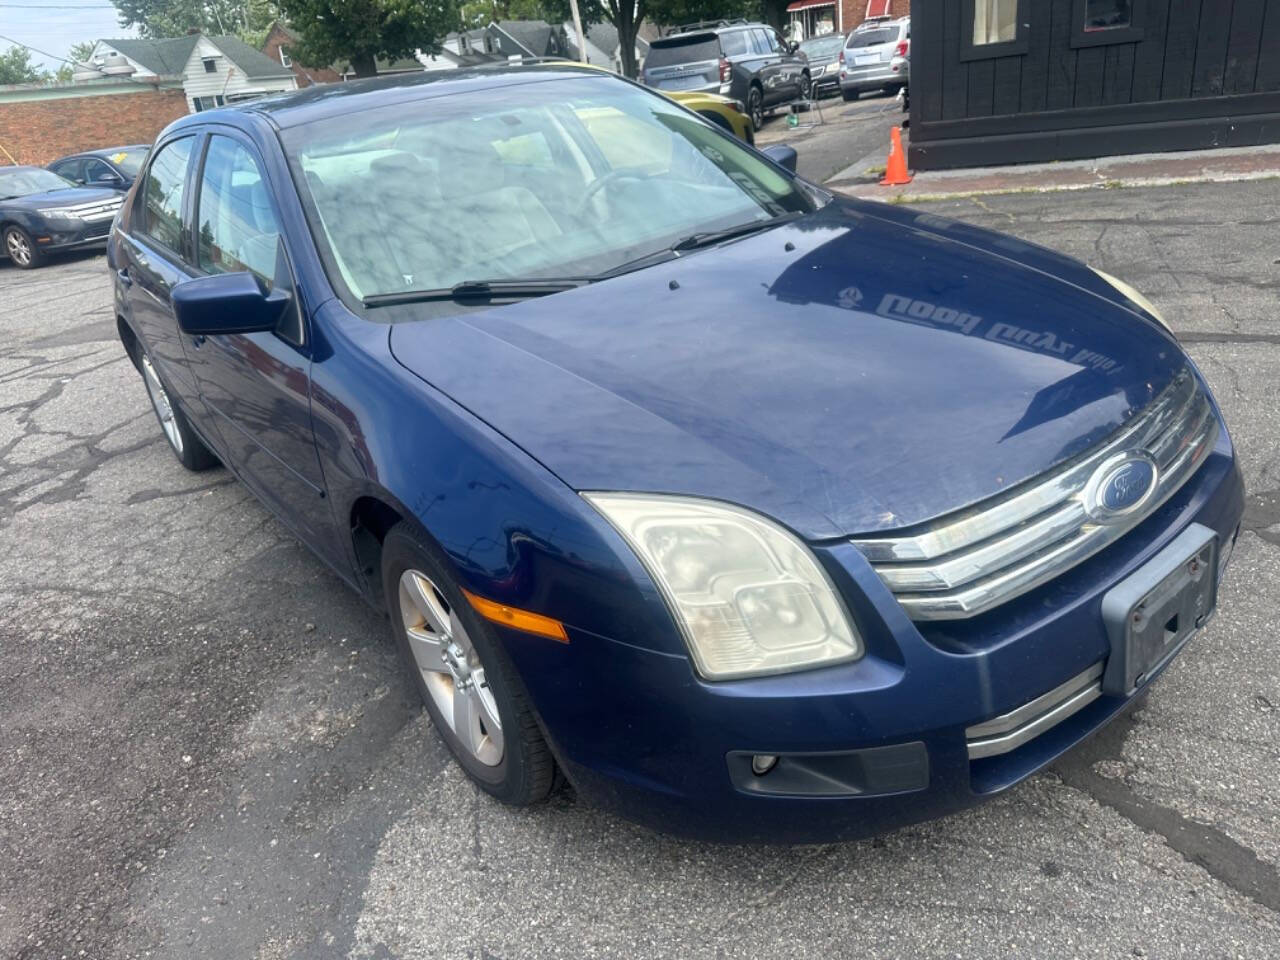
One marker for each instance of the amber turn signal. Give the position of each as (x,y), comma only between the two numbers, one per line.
(515,617)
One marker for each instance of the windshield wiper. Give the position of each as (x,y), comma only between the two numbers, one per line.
(481,290)
(697,240)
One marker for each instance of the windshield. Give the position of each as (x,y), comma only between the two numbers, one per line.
(130,159)
(827,46)
(563,178)
(873,38)
(28,180)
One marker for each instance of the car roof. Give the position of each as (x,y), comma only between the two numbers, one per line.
(335,99)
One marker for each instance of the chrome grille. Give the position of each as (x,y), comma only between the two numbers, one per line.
(96,209)
(967,563)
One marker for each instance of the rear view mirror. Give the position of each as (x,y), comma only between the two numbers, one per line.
(228,303)
(781,154)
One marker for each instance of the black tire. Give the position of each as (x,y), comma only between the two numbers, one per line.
(806,87)
(183,440)
(848,95)
(755,107)
(21,249)
(526,773)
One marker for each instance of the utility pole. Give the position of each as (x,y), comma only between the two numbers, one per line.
(577,25)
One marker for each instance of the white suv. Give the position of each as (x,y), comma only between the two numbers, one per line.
(876,56)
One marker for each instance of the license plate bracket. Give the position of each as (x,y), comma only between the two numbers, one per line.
(1152,613)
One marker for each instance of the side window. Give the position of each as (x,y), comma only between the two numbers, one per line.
(760,41)
(238,229)
(775,42)
(72,170)
(95,171)
(162,194)
(734,43)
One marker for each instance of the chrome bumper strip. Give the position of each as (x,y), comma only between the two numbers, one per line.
(1011,730)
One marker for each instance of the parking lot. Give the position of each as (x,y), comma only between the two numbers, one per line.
(209,749)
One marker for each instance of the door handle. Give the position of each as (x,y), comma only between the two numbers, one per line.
(125,279)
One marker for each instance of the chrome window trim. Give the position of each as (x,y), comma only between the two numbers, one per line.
(986,555)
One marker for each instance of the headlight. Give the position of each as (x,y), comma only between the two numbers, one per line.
(831,68)
(749,597)
(1135,296)
(60,214)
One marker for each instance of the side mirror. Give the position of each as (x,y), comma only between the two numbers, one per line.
(781,154)
(793,46)
(228,303)
(109,179)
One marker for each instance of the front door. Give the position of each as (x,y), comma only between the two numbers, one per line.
(257,385)
(154,258)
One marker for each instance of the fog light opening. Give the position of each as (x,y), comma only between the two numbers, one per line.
(762,763)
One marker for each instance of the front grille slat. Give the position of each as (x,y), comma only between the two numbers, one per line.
(967,564)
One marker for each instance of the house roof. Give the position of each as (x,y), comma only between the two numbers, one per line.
(168,58)
(253,62)
(533,35)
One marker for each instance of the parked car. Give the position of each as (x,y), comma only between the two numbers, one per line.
(41,213)
(876,57)
(112,167)
(660,477)
(749,62)
(823,56)
(729,115)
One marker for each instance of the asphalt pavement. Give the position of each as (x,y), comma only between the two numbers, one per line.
(837,134)
(209,749)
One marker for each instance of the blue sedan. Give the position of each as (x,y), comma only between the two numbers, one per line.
(756,512)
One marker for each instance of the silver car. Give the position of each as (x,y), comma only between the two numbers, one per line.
(876,56)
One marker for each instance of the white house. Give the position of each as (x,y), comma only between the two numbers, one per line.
(213,70)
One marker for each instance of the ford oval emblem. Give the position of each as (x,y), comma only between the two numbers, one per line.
(1120,486)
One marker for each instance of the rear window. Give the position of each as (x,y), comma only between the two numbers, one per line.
(872,38)
(691,49)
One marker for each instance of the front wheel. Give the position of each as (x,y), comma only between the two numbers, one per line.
(755,107)
(467,683)
(22,250)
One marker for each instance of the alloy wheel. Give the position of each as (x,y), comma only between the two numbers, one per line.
(163,408)
(18,248)
(451,668)
(755,105)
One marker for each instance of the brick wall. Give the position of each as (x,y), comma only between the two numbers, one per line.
(40,131)
(306,76)
(853,12)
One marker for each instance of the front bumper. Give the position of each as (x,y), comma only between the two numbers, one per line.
(640,733)
(65,235)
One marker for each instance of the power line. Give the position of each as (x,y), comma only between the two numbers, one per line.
(53,56)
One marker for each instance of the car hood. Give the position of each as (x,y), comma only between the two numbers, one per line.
(68,197)
(862,369)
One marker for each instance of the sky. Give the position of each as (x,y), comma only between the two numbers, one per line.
(54,26)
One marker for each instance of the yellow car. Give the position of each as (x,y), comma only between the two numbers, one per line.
(723,112)
(729,115)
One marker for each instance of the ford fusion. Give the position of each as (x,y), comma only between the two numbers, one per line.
(41,213)
(755,512)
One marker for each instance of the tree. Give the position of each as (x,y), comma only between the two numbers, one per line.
(16,67)
(248,19)
(360,31)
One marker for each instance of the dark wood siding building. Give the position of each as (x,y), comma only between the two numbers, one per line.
(1011,81)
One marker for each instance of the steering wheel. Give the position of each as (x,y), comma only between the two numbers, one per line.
(599,184)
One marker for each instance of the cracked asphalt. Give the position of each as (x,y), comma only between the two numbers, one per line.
(209,750)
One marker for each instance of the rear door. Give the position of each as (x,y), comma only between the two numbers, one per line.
(72,169)
(688,62)
(257,385)
(156,256)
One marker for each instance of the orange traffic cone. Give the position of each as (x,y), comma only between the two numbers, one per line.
(895,168)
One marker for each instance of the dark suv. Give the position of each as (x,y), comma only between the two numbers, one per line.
(746,61)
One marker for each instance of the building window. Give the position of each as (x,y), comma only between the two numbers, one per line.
(210,64)
(1097,22)
(993,28)
(284,58)
(1107,14)
(208,103)
(995,21)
